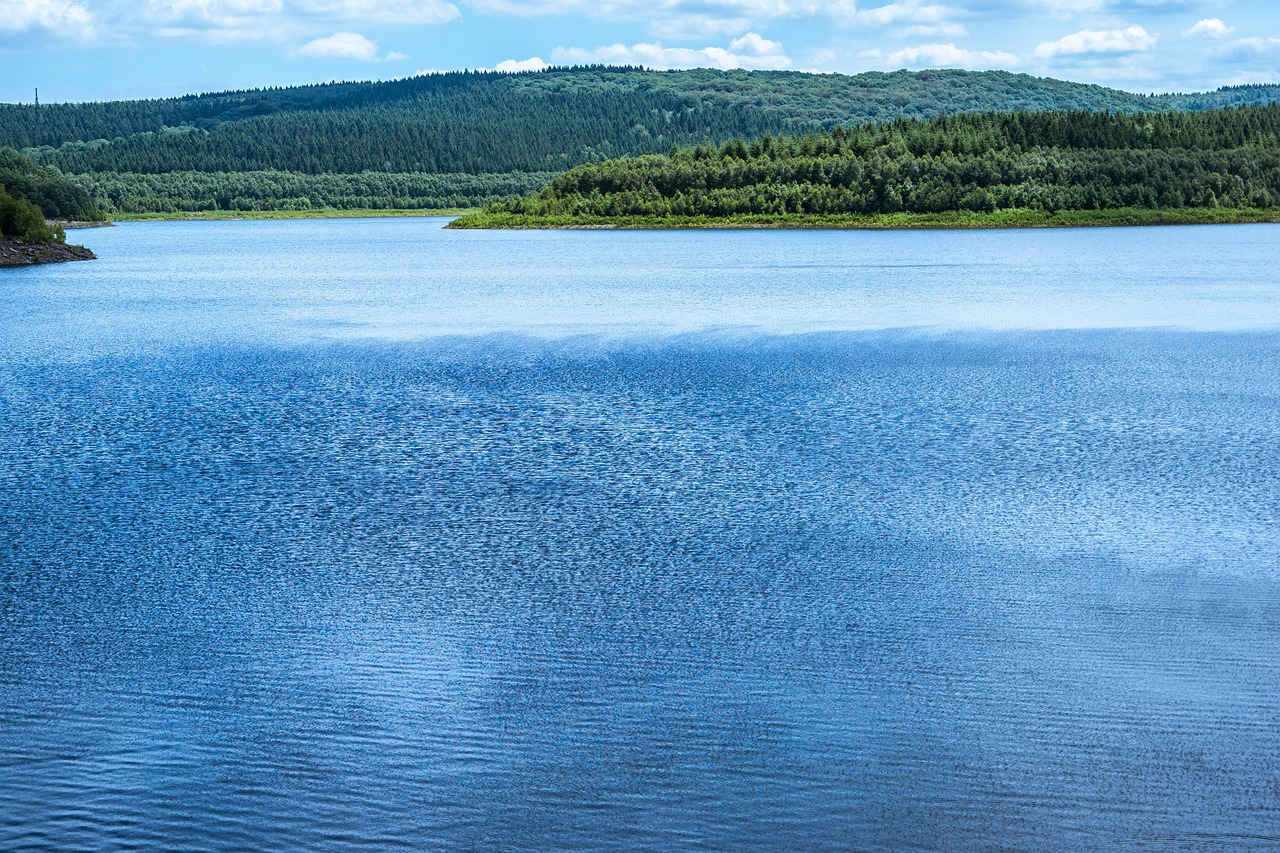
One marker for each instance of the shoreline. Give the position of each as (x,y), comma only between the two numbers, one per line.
(73,224)
(16,253)
(234,215)
(473,219)
(1019,218)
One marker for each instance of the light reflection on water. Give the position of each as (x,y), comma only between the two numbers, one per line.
(283,282)
(284,567)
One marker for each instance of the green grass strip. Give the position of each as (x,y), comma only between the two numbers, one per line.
(286,214)
(1016,218)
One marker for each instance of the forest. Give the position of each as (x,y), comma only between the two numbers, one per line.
(973,163)
(31,193)
(467,138)
(269,189)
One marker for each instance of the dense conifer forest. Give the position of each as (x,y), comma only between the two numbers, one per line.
(974,164)
(468,138)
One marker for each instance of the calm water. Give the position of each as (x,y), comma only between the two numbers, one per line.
(364,534)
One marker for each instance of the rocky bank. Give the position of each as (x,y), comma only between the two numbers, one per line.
(20,253)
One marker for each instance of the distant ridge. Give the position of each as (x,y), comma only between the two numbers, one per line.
(487,124)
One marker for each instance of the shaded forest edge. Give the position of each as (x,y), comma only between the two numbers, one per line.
(32,201)
(977,170)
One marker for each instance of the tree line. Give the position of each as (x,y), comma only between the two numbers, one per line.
(178,192)
(469,138)
(489,123)
(31,193)
(1067,161)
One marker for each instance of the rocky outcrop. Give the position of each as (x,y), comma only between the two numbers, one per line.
(20,253)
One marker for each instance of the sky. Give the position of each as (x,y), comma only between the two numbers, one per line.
(90,50)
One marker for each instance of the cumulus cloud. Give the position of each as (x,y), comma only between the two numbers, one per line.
(1129,40)
(220,21)
(56,17)
(941,56)
(680,18)
(228,12)
(343,46)
(750,51)
(401,12)
(1212,28)
(208,13)
(690,27)
(1070,8)
(634,8)
(533,63)
(1250,50)
(510,66)
(934,31)
(913,12)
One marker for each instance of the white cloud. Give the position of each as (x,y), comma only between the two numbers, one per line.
(225,12)
(679,18)
(57,17)
(912,12)
(510,66)
(341,46)
(210,13)
(750,51)
(687,19)
(934,31)
(1125,70)
(533,63)
(1070,8)
(941,56)
(1129,40)
(753,44)
(1245,78)
(401,12)
(634,8)
(1212,28)
(687,27)
(133,21)
(1250,50)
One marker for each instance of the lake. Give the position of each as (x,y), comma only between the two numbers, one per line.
(344,534)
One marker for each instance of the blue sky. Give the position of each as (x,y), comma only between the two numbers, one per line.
(76,50)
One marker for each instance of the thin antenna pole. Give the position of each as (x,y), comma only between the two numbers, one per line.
(37,97)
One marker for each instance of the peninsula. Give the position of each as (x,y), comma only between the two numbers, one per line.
(34,203)
(977,170)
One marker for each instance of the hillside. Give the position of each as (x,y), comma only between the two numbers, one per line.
(966,168)
(487,135)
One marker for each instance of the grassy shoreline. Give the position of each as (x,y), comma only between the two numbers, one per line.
(1017,218)
(363,213)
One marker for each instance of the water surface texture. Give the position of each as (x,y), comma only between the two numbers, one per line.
(369,535)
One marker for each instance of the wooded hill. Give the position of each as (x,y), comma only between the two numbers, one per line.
(474,130)
(974,163)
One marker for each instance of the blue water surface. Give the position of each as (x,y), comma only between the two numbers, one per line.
(367,534)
